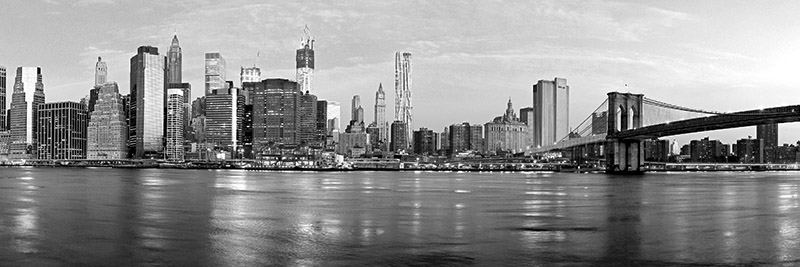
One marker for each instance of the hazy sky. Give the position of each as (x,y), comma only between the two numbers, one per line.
(469,57)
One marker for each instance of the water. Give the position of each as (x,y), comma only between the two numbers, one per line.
(157,217)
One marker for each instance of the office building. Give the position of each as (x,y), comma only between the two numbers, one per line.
(551,111)
(147,87)
(274,108)
(506,133)
(403,108)
(769,133)
(424,142)
(399,137)
(458,138)
(107,133)
(175,124)
(322,122)
(100,72)
(750,150)
(374,137)
(3,123)
(305,64)
(175,62)
(215,72)
(380,119)
(23,115)
(224,113)
(62,130)
(307,119)
(186,89)
(526,117)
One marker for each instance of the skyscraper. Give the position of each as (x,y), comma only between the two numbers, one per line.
(274,107)
(402,89)
(399,137)
(424,142)
(28,94)
(551,111)
(334,116)
(107,133)
(215,72)
(307,119)
(147,103)
(62,130)
(175,124)
(769,133)
(380,117)
(354,105)
(100,72)
(224,116)
(305,63)
(174,62)
(3,98)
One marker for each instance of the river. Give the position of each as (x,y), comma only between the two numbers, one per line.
(167,217)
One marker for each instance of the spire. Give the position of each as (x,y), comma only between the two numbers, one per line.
(175,40)
(99,59)
(380,87)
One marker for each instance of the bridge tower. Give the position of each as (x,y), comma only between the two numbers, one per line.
(624,113)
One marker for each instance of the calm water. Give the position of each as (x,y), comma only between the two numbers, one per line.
(86,217)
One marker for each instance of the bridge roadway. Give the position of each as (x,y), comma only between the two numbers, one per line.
(723,121)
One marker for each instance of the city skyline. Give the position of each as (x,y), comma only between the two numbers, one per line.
(664,50)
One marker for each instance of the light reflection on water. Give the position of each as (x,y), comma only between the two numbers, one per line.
(240,218)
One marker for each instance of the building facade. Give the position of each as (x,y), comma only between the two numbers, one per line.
(551,111)
(403,108)
(215,72)
(380,119)
(249,75)
(107,132)
(506,133)
(23,116)
(424,142)
(62,130)
(175,124)
(100,72)
(3,123)
(399,137)
(750,150)
(175,62)
(769,133)
(223,119)
(147,83)
(274,107)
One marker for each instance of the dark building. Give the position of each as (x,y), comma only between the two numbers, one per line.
(3,123)
(322,122)
(93,93)
(399,136)
(374,136)
(274,108)
(62,130)
(247,131)
(705,150)
(147,103)
(785,154)
(768,133)
(424,142)
(307,119)
(750,150)
(224,116)
(459,138)
(656,150)
(600,122)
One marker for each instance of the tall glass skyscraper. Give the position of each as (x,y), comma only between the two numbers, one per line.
(28,94)
(305,64)
(403,110)
(215,72)
(147,103)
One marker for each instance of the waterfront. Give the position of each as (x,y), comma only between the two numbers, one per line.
(165,217)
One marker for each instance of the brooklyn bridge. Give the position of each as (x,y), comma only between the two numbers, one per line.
(615,131)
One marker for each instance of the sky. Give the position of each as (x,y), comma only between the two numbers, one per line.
(469,57)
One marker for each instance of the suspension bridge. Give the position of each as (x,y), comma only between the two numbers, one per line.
(616,129)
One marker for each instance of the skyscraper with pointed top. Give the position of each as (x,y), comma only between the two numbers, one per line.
(174,62)
(100,72)
(402,89)
(305,63)
(380,116)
